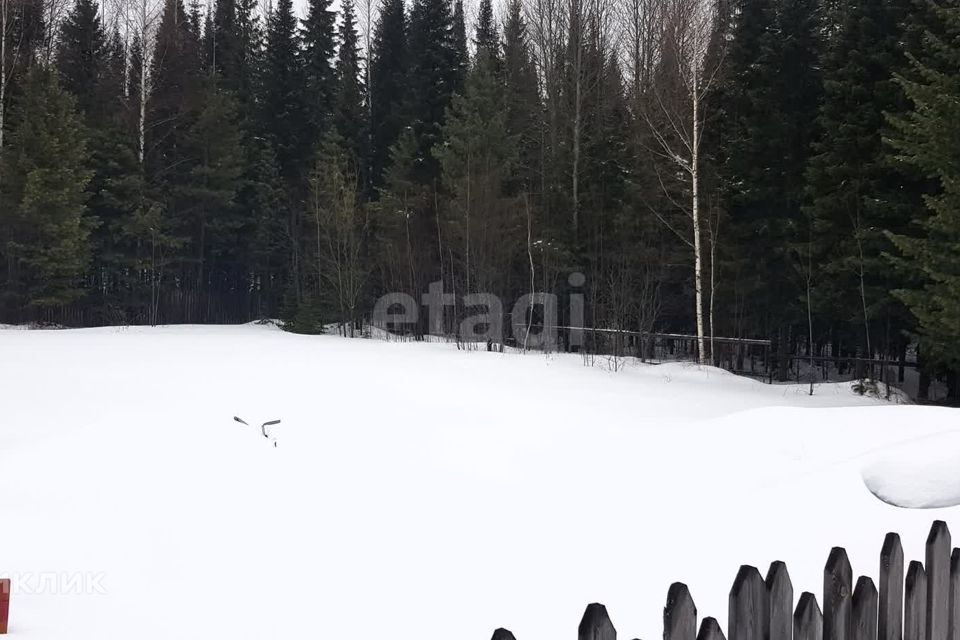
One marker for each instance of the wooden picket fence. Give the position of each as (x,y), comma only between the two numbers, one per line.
(923,606)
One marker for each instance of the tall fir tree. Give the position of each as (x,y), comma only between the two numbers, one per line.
(212,221)
(522,97)
(283,108)
(434,71)
(460,52)
(82,53)
(320,78)
(925,138)
(350,114)
(477,157)
(849,170)
(46,177)
(748,150)
(283,112)
(486,39)
(387,75)
(226,45)
(174,85)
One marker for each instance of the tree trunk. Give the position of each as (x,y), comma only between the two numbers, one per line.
(142,121)
(4,8)
(695,209)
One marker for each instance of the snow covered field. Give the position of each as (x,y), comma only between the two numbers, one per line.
(416,491)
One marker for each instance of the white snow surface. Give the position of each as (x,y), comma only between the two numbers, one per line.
(923,474)
(416,491)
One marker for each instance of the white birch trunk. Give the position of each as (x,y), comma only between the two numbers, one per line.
(4,8)
(144,57)
(695,210)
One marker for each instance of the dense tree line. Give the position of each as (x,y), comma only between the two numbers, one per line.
(783,169)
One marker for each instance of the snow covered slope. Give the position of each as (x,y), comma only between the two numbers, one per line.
(416,491)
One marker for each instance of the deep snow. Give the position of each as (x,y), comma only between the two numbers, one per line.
(416,491)
(921,474)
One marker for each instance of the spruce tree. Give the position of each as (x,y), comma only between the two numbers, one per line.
(387,75)
(319,48)
(477,157)
(486,40)
(925,138)
(849,169)
(46,178)
(434,71)
(83,48)
(116,190)
(250,57)
(226,43)
(522,95)
(749,149)
(349,117)
(460,53)
(175,81)
(212,220)
(283,108)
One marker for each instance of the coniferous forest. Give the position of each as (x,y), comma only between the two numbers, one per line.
(775,169)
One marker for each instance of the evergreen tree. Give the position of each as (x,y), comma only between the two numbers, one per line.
(44,197)
(227,46)
(486,39)
(925,138)
(83,49)
(522,95)
(460,54)
(111,85)
(175,76)
(283,108)
(771,65)
(116,191)
(349,113)
(434,71)
(387,75)
(849,170)
(477,157)
(134,78)
(749,151)
(250,44)
(208,46)
(320,76)
(264,242)
(212,221)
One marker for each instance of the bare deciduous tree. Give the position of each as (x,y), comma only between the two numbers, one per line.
(675,115)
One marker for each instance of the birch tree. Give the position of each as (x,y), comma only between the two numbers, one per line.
(4,32)
(675,115)
(140,18)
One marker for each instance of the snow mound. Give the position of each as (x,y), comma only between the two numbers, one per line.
(920,474)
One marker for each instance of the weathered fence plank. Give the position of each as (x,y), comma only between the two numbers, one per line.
(808,620)
(596,624)
(679,614)
(780,599)
(865,610)
(837,596)
(748,615)
(890,622)
(4,604)
(502,634)
(710,630)
(915,603)
(938,581)
(953,632)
